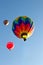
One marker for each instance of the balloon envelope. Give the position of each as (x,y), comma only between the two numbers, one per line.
(10,45)
(6,22)
(23,27)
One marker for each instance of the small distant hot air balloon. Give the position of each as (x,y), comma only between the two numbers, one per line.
(10,45)
(23,27)
(6,22)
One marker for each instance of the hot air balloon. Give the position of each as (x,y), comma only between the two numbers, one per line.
(6,22)
(10,45)
(23,27)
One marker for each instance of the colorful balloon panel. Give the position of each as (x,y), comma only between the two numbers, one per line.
(22,27)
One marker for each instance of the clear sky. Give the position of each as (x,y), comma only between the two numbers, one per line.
(24,53)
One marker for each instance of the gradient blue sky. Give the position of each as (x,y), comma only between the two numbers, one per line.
(24,53)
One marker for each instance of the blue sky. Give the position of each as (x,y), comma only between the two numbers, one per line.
(24,53)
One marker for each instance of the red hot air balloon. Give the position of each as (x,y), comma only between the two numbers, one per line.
(10,45)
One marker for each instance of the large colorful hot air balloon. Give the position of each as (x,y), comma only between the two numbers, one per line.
(23,27)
